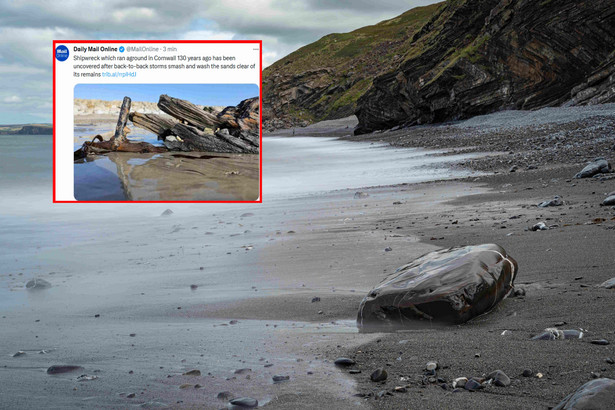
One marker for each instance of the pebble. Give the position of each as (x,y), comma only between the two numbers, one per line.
(193,373)
(388,249)
(185,386)
(38,284)
(499,378)
(194,287)
(224,395)
(431,366)
(400,389)
(315,299)
(472,385)
(527,373)
(609,360)
(19,353)
(245,402)
(131,395)
(601,342)
(280,378)
(242,371)
(344,361)
(379,375)
(57,369)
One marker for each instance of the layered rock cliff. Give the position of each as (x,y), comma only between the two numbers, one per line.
(324,80)
(479,56)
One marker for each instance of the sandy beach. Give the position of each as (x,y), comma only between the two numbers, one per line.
(139,302)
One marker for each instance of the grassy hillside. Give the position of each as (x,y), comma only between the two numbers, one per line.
(324,80)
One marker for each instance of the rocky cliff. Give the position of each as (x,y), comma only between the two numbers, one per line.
(324,80)
(479,56)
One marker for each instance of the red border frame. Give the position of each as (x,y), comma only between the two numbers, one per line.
(260,94)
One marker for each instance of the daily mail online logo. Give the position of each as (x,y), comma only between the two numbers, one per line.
(61,53)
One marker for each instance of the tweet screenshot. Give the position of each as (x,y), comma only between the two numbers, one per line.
(157,121)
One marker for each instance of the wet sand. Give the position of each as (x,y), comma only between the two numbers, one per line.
(169,176)
(327,246)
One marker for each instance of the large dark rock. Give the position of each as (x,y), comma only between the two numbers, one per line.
(480,56)
(449,286)
(597,166)
(595,394)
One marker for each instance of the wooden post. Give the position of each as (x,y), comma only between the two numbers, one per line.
(120,135)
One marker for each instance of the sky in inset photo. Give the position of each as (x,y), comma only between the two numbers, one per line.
(200,94)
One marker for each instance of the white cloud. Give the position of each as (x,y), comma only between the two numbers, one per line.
(12,99)
(27,28)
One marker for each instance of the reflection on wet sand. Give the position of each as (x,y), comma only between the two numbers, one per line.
(188,176)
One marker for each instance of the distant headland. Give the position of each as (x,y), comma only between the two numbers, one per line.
(26,129)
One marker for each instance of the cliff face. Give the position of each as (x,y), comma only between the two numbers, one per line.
(479,56)
(324,80)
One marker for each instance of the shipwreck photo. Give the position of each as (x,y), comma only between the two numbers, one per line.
(173,142)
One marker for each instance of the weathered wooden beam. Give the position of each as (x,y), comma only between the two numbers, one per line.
(120,135)
(189,138)
(158,124)
(186,111)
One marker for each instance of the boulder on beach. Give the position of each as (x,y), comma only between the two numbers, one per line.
(450,286)
(609,200)
(38,284)
(595,394)
(556,201)
(597,166)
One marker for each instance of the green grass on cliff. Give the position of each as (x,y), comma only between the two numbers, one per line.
(353,59)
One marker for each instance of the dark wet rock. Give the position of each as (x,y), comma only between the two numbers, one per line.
(601,342)
(499,378)
(540,226)
(19,353)
(344,361)
(167,212)
(193,373)
(194,287)
(354,371)
(388,249)
(224,395)
(315,299)
(609,200)
(595,394)
(518,292)
(244,402)
(597,166)
(359,195)
(609,360)
(608,284)
(514,168)
(527,373)
(449,286)
(473,385)
(552,333)
(379,375)
(556,201)
(58,369)
(242,371)
(38,284)
(131,395)
(280,378)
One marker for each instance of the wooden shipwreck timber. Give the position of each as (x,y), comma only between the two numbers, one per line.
(187,127)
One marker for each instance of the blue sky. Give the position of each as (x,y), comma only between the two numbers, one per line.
(200,94)
(28,27)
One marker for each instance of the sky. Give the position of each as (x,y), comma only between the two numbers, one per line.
(200,94)
(28,27)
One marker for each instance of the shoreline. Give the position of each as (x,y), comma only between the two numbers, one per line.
(331,247)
